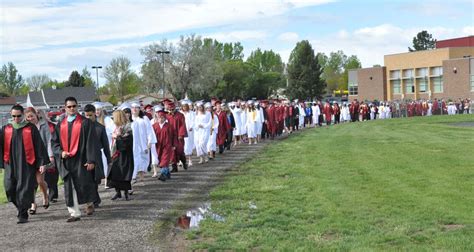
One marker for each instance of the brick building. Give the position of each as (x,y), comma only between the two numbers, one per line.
(444,73)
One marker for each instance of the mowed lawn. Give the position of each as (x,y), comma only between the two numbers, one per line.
(3,197)
(399,184)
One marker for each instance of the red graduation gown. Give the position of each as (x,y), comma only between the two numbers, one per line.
(223,128)
(178,126)
(165,141)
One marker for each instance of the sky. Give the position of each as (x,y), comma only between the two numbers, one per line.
(55,37)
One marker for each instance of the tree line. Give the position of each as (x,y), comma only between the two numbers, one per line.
(201,68)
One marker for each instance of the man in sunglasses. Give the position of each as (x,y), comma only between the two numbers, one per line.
(75,141)
(23,154)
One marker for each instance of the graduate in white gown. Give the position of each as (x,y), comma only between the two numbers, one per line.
(381,111)
(189,117)
(451,108)
(212,141)
(251,122)
(260,120)
(243,120)
(236,112)
(316,113)
(143,138)
(202,130)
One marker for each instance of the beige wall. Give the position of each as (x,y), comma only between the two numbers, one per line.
(371,84)
(457,83)
(424,59)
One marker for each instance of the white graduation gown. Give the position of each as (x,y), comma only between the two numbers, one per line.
(236,112)
(189,141)
(243,119)
(260,119)
(251,124)
(212,142)
(143,134)
(201,134)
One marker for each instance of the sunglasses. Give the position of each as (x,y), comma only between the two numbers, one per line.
(16,116)
(71,106)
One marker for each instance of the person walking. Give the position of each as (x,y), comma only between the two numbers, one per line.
(24,153)
(76,141)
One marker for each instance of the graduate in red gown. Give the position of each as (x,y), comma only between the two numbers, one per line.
(271,120)
(327,111)
(177,123)
(223,127)
(165,145)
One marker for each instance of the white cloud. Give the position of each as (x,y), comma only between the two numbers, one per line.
(238,35)
(289,37)
(370,44)
(34,26)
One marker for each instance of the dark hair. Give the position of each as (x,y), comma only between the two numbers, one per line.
(18,107)
(129,112)
(141,114)
(70,98)
(89,108)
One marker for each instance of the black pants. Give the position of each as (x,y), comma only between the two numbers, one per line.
(228,140)
(264,131)
(98,200)
(51,178)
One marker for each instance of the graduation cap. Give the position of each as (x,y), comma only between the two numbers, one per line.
(217,102)
(158,108)
(124,106)
(161,113)
(199,103)
(169,103)
(135,105)
(208,105)
(148,106)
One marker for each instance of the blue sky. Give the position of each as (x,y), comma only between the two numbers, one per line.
(57,37)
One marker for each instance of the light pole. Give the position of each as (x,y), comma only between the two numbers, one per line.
(97,75)
(163,64)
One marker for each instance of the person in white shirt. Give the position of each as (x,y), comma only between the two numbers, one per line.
(212,142)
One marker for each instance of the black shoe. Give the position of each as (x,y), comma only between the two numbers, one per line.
(96,205)
(117,196)
(126,196)
(32,211)
(185,165)
(54,201)
(175,168)
(162,177)
(73,219)
(22,221)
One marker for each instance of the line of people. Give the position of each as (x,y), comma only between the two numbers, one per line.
(93,148)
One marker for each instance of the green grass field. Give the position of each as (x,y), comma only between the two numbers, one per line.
(399,184)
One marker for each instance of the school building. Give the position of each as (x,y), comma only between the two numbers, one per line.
(446,72)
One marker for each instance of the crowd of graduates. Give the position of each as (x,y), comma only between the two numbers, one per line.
(92,148)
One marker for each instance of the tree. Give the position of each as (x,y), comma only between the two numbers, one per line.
(423,41)
(53,84)
(10,80)
(86,75)
(335,69)
(352,62)
(35,82)
(75,80)
(304,73)
(118,75)
(267,70)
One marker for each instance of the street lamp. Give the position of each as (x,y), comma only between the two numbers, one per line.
(163,63)
(97,75)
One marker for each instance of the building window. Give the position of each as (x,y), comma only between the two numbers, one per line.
(423,84)
(409,87)
(395,74)
(436,71)
(353,88)
(472,82)
(422,72)
(438,84)
(396,87)
(408,73)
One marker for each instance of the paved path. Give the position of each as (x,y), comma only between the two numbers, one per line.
(119,225)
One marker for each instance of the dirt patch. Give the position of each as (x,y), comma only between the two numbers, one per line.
(463,124)
(451,227)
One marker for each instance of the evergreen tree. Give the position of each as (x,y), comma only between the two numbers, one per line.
(304,73)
